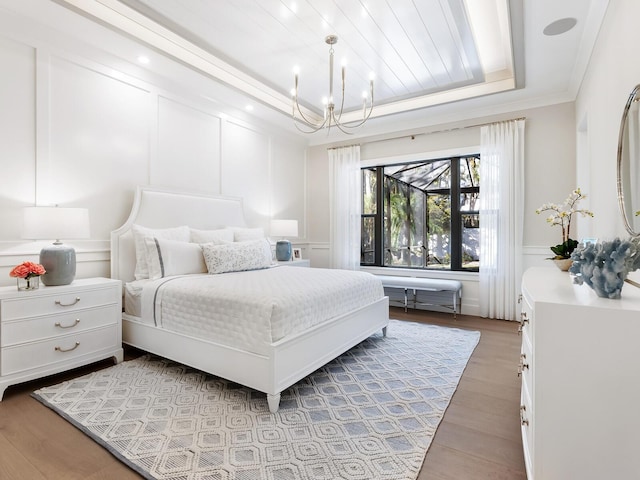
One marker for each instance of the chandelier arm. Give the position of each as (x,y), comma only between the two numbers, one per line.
(305,120)
(360,123)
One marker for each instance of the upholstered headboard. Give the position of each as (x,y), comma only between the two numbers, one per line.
(161,208)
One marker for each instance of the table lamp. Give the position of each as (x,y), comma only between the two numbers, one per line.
(284,228)
(42,223)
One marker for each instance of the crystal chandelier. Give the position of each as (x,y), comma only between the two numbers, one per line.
(331,116)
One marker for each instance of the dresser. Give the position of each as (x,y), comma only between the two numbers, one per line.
(580,369)
(53,329)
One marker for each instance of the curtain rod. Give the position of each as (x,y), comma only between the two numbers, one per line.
(412,136)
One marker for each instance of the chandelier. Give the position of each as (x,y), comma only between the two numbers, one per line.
(331,116)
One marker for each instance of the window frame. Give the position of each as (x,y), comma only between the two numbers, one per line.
(455,191)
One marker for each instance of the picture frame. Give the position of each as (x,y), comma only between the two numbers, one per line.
(297,254)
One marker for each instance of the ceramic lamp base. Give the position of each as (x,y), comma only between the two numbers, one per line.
(283,250)
(60,263)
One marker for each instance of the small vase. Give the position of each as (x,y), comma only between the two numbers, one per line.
(32,283)
(563,263)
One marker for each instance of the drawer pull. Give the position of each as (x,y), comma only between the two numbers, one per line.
(524,319)
(60,349)
(523,420)
(521,365)
(58,302)
(58,324)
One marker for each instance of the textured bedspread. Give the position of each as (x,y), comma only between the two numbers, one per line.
(251,310)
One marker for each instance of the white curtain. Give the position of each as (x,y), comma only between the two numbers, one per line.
(345,208)
(501,217)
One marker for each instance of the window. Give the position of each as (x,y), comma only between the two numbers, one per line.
(422,214)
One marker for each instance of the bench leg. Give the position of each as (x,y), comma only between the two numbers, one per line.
(405,300)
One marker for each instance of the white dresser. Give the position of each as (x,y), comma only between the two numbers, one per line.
(53,329)
(580,363)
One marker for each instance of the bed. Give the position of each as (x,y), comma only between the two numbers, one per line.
(235,340)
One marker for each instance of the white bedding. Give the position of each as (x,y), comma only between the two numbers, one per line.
(252,310)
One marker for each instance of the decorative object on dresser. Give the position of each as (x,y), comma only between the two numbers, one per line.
(46,223)
(284,228)
(561,215)
(579,371)
(27,275)
(58,328)
(369,414)
(604,266)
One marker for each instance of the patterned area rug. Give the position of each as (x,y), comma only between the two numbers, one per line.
(369,414)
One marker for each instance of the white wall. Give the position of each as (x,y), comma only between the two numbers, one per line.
(81,127)
(611,75)
(550,144)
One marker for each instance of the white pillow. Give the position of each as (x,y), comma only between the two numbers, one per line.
(246,234)
(139,233)
(237,256)
(170,257)
(224,235)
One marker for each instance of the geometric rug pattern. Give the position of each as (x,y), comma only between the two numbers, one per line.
(369,414)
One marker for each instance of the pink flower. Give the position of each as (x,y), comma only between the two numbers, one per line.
(27,270)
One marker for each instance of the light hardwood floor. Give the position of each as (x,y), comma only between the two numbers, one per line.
(479,437)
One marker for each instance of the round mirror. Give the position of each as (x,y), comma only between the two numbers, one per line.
(629,164)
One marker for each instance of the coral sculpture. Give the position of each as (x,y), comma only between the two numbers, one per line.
(604,266)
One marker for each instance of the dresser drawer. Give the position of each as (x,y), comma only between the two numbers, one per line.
(23,357)
(525,364)
(527,425)
(526,317)
(61,301)
(51,326)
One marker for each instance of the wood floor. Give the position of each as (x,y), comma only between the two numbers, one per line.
(479,437)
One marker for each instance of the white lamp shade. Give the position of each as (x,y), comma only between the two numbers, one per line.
(284,228)
(54,223)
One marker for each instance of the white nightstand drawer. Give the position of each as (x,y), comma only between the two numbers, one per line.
(23,357)
(39,328)
(58,301)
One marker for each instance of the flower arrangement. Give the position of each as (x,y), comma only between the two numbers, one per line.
(562,215)
(604,266)
(27,270)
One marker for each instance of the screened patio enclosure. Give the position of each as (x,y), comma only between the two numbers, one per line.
(428,216)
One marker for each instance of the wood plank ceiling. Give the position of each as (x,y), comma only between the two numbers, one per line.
(415,49)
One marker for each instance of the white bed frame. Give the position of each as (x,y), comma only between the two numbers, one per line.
(288,360)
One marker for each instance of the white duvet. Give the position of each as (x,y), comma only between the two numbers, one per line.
(251,310)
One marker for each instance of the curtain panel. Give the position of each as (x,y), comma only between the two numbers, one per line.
(345,207)
(501,218)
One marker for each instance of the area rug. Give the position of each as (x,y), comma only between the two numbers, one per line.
(369,414)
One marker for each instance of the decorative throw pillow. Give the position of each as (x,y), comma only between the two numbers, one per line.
(181,234)
(237,256)
(245,234)
(170,257)
(224,235)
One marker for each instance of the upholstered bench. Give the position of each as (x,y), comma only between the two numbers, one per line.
(410,292)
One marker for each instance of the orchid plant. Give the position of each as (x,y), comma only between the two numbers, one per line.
(562,215)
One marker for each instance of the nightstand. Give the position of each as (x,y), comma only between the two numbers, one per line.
(303,262)
(53,329)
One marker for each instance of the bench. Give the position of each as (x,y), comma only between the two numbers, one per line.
(424,291)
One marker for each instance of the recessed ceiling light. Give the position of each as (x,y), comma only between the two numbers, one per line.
(144,60)
(249,108)
(560,26)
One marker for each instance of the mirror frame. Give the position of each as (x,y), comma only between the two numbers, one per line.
(633,96)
